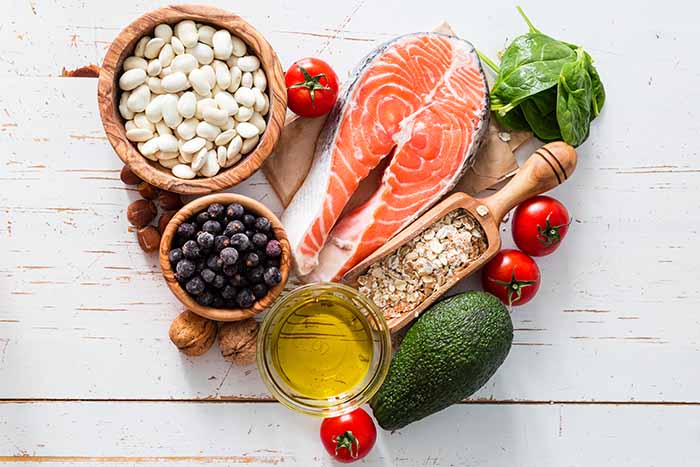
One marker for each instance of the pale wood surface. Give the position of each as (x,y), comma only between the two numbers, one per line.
(613,337)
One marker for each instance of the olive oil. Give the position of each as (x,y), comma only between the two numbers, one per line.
(324,347)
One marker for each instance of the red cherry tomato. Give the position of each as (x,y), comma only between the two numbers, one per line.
(539,225)
(349,437)
(511,276)
(312,87)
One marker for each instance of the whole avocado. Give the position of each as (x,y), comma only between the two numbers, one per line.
(449,353)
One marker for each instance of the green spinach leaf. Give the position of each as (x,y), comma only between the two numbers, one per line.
(574,100)
(513,120)
(598,97)
(540,113)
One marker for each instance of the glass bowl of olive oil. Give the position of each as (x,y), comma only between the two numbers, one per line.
(324,349)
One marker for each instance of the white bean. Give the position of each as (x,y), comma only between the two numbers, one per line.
(168,163)
(210,74)
(215,116)
(134,62)
(187,129)
(153,47)
(259,100)
(155,85)
(184,63)
(247,130)
(186,31)
(205,34)
(141,46)
(130,125)
(236,76)
(266,108)
(141,121)
(211,166)
(146,152)
(139,98)
(223,45)
(139,135)
(231,61)
(248,63)
(244,113)
(132,79)
(230,161)
(209,145)
(178,47)
(167,143)
(125,112)
(234,146)
(249,144)
(199,160)
(259,79)
(171,117)
(199,82)
(166,155)
(165,72)
(202,52)
(193,145)
(154,109)
(225,137)
(207,131)
(202,104)
(223,75)
(230,124)
(239,47)
(175,82)
(150,147)
(163,129)
(183,171)
(258,121)
(226,102)
(166,55)
(154,67)
(221,155)
(244,96)
(247,80)
(187,104)
(164,31)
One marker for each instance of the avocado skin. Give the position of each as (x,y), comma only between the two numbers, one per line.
(449,353)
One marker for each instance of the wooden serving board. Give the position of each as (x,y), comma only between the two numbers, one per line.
(287,166)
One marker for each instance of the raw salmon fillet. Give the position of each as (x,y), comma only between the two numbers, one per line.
(421,98)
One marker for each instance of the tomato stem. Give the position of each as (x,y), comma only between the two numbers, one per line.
(549,234)
(312,83)
(348,441)
(514,287)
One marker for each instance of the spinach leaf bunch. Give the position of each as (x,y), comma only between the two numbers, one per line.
(546,86)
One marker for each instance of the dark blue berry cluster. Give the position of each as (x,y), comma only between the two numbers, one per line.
(226,257)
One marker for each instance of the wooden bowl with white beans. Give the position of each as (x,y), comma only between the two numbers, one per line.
(192,98)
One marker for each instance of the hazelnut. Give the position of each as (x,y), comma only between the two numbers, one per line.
(238,341)
(141,212)
(192,334)
(169,200)
(163,221)
(129,177)
(147,191)
(149,238)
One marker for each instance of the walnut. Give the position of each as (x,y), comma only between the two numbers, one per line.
(192,334)
(238,341)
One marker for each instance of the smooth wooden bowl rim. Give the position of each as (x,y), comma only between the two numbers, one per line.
(199,204)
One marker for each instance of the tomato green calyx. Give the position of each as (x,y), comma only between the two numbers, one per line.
(549,234)
(514,287)
(348,441)
(312,83)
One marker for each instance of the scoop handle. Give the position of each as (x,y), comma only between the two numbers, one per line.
(545,169)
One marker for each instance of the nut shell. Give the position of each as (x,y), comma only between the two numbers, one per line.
(169,200)
(141,212)
(147,191)
(129,177)
(149,238)
(192,334)
(163,221)
(238,341)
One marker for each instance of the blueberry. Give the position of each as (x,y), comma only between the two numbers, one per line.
(218,302)
(240,242)
(221,242)
(205,240)
(202,217)
(249,220)
(195,286)
(234,227)
(216,211)
(175,255)
(205,298)
(249,233)
(229,256)
(184,269)
(229,292)
(185,230)
(234,211)
(201,265)
(230,269)
(207,275)
(272,276)
(251,260)
(259,239)
(191,249)
(259,290)
(273,249)
(215,263)
(262,224)
(245,298)
(255,275)
(213,227)
(238,280)
(272,262)
(219,281)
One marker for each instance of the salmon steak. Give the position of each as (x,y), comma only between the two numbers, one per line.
(422,101)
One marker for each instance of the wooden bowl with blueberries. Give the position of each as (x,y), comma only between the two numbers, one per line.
(225,256)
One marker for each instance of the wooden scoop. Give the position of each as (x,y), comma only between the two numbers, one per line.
(547,168)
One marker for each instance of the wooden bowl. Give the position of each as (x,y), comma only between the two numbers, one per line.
(108,98)
(199,204)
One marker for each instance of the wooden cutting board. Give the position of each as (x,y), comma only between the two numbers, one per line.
(287,167)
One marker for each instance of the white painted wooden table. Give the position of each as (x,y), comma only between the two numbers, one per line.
(604,367)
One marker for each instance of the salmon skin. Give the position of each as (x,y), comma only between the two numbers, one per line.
(421,98)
